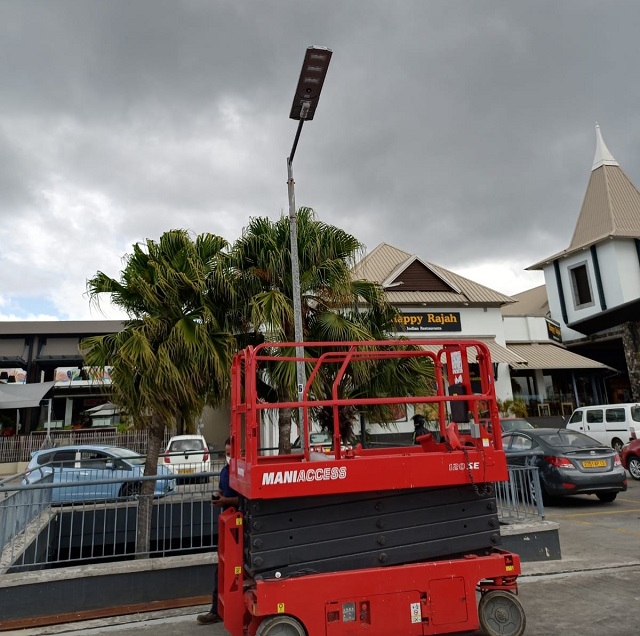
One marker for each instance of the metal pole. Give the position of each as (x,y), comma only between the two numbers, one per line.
(47,443)
(295,276)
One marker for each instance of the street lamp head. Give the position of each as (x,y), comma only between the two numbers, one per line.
(314,70)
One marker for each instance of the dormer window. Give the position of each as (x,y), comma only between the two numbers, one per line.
(581,286)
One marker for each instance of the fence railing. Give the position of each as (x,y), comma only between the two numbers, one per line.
(520,499)
(42,527)
(18,509)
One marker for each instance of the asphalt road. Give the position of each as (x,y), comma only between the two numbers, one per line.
(591,591)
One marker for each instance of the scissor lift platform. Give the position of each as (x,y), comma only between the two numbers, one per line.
(378,541)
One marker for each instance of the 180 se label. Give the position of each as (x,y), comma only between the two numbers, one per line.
(464,466)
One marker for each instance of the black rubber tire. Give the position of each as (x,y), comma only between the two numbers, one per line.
(130,490)
(634,467)
(606,497)
(617,445)
(501,614)
(281,625)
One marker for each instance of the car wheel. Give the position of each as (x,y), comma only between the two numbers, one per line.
(617,445)
(606,497)
(501,614)
(130,490)
(634,467)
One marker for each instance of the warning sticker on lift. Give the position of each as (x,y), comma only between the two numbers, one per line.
(416,614)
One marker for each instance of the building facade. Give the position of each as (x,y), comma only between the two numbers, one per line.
(593,286)
(530,363)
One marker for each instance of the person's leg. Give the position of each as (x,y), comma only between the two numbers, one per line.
(212,615)
(214,602)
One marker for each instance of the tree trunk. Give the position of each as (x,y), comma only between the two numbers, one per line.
(284,432)
(145,500)
(631,342)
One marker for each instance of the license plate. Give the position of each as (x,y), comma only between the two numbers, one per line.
(186,471)
(596,463)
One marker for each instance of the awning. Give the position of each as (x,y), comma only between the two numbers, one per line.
(502,354)
(21,396)
(551,356)
(498,352)
(103,410)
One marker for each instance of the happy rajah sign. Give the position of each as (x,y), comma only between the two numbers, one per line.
(428,321)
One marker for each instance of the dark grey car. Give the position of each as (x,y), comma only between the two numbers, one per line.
(569,462)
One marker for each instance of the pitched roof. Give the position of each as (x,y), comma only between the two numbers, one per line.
(611,206)
(533,302)
(407,279)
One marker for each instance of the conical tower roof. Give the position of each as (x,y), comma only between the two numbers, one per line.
(611,206)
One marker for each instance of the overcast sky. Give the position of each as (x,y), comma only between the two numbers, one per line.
(460,131)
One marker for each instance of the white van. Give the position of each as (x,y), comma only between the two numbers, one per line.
(611,424)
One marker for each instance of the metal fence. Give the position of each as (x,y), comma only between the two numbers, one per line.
(41,527)
(520,499)
(18,509)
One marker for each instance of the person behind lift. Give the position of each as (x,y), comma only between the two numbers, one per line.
(420,428)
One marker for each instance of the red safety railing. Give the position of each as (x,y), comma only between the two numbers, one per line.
(466,448)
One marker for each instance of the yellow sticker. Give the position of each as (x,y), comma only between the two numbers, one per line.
(280,608)
(509,568)
(238,569)
(238,521)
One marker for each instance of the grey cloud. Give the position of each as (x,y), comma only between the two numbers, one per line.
(461,131)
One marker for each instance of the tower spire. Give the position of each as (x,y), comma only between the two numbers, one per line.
(602,157)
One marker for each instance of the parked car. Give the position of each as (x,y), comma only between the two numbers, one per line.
(79,467)
(187,455)
(611,424)
(631,458)
(569,462)
(321,442)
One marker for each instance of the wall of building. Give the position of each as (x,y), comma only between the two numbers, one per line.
(620,271)
(525,329)
(475,322)
(553,295)
(216,426)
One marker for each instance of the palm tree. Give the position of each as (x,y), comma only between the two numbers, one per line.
(392,377)
(330,300)
(173,355)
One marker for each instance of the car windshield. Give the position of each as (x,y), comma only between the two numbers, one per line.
(510,424)
(563,438)
(320,438)
(314,440)
(129,455)
(181,445)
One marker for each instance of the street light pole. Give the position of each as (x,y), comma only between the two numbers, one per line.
(295,276)
(305,102)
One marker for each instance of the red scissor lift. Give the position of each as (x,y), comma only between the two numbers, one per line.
(380,541)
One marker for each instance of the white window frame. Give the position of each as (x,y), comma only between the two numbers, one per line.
(574,288)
